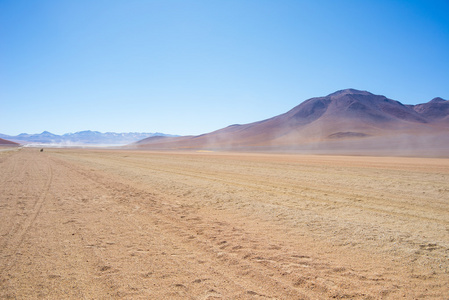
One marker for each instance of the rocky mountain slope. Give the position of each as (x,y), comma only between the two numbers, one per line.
(345,115)
(4,142)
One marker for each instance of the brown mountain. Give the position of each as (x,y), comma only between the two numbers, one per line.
(347,115)
(436,109)
(8,143)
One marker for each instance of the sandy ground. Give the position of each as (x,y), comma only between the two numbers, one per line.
(121,224)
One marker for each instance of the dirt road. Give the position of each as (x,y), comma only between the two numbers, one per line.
(121,224)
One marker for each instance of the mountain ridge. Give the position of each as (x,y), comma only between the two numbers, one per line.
(347,114)
(88,137)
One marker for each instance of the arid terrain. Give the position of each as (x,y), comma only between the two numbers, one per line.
(100,224)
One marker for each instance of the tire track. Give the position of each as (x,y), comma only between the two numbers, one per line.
(339,198)
(105,228)
(11,173)
(418,250)
(174,233)
(220,245)
(16,237)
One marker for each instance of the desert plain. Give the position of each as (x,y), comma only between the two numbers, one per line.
(102,224)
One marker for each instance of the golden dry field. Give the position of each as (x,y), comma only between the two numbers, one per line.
(101,224)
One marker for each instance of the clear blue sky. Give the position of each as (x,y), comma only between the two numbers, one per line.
(190,67)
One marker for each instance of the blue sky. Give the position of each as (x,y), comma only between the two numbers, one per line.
(190,67)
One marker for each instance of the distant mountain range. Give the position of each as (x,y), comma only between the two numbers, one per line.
(87,137)
(341,120)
